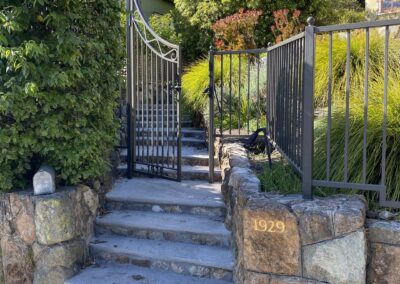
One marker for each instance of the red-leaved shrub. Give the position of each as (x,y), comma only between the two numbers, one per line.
(236,31)
(286,24)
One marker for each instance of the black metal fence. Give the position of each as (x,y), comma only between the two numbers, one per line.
(294,110)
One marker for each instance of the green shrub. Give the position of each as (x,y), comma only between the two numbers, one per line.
(280,178)
(163,25)
(59,64)
(356,116)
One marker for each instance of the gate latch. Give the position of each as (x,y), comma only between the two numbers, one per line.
(178,87)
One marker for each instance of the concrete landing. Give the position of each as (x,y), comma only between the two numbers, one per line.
(161,191)
(128,274)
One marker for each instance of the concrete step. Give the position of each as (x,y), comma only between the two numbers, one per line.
(186,197)
(165,226)
(129,274)
(186,132)
(187,259)
(190,155)
(170,141)
(145,124)
(188,172)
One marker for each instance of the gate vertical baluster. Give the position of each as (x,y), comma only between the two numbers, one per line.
(143,98)
(173,67)
(147,108)
(168,102)
(179,114)
(162,111)
(157,114)
(248,93)
(211,112)
(152,108)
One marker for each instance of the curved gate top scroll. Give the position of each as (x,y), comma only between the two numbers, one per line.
(157,44)
(154,96)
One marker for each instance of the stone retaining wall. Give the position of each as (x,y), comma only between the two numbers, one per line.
(285,239)
(43,239)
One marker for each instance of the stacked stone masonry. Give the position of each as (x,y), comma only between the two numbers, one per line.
(286,239)
(44,238)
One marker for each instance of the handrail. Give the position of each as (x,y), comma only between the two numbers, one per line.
(289,40)
(356,26)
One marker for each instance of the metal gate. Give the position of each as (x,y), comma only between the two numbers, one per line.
(154,96)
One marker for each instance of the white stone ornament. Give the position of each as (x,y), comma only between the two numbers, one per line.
(44,181)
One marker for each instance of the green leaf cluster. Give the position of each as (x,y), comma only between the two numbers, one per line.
(59,82)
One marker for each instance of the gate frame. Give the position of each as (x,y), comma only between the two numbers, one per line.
(132,33)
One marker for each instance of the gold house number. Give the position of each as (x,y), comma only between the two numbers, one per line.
(269,226)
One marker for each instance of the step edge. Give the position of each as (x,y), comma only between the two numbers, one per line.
(168,203)
(223,232)
(169,258)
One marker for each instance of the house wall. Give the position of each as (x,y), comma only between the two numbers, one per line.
(376,7)
(150,7)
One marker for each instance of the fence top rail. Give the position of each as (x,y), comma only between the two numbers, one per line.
(356,26)
(254,51)
(287,41)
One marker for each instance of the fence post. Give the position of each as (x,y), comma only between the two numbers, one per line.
(211,115)
(308,109)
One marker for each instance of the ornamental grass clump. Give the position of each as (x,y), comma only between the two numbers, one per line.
(246,107)
(356,113)
(59,81)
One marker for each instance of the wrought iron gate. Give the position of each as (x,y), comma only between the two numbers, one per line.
(154,96)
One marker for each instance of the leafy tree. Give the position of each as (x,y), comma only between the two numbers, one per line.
(202,14)
(59,64)
(177,29)
(285,25)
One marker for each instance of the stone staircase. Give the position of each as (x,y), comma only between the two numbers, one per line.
(160,231)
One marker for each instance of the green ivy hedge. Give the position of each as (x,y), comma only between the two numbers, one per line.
(59,81)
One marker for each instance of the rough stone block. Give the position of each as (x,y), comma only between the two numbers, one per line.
(338,261)
(384,263)
(387,232)
(271,238)
(350,215)
(315,222)
(57,263)
(259,278)
(22,215)
(17,260)
(55,219)
(327,218)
